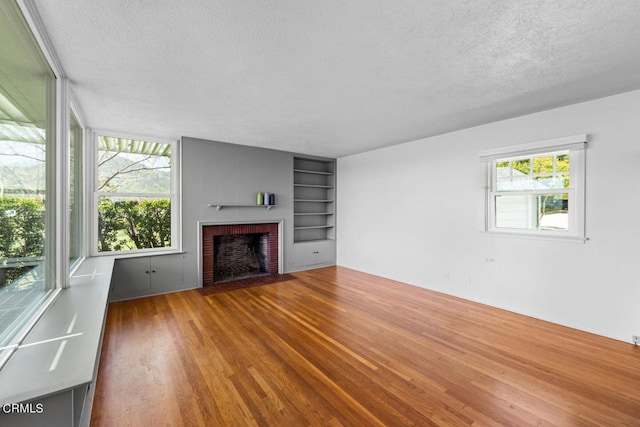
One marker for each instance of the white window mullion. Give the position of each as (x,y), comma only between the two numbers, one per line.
(532,192)
(90,157)
(62,180)
(577,174)
(176,192)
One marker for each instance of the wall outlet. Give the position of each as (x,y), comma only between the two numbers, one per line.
(636,339)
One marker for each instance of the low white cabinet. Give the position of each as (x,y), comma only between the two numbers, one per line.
(314,254)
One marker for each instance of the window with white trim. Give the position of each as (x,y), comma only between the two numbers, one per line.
(537,188)
(28,156)
(136,204)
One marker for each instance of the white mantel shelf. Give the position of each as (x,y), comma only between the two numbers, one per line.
(219,206)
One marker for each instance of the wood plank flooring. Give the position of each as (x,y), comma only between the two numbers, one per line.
(336,347)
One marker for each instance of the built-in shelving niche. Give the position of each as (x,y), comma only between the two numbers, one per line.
(314,199)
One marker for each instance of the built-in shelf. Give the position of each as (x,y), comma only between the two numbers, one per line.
(313,172)
(318,240)
(312,186)
(219,206)
(313,192)
(313,213)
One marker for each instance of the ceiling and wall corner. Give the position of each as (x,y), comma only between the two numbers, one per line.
(336,78)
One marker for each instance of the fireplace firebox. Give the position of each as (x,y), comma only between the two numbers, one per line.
(238,251)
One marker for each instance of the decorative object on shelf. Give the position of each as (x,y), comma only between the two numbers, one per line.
(266,199)
(260,198)
(272,199)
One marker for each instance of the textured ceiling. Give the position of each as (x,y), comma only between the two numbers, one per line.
(336,77)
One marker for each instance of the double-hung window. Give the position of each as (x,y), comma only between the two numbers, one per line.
(537,189)
(136,195)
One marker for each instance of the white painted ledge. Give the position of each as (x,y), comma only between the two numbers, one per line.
(60,352)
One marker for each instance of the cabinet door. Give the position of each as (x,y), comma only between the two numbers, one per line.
(312,253)
(131,274)
(325,252)
(304,254)
(166,272)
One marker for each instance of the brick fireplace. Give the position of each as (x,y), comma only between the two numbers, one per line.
(235,251)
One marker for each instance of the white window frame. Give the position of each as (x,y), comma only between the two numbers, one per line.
(175,195)
(81,191)
(575,145)
(56,272)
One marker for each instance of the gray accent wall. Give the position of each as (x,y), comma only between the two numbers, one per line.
(217,172)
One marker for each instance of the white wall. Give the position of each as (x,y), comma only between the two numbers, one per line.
(414,213)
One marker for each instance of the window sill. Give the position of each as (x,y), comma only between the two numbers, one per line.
(548,237)
(137,254)
(60,352)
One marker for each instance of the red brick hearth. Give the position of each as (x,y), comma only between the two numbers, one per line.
(209,232)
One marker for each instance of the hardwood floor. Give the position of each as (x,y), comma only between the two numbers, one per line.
(338,347)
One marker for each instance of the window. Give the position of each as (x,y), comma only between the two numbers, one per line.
(75,190)
(537,188)
(137,205)
(27,178)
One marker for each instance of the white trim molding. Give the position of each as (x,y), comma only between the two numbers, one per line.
(573,142)
(33,18)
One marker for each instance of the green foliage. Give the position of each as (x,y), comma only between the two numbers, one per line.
(123,225)
(523,166)
(21,227)
(133,224)
(542,167)
(21,235)
(562,163)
